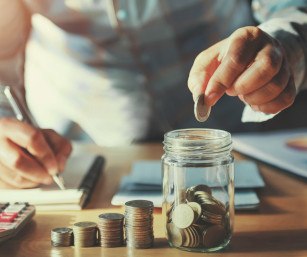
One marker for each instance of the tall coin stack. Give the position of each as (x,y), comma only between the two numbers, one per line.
(110,227)
(61,236)
(139,224)
(85,234)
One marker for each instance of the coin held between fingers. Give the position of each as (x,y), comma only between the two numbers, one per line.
(201,109)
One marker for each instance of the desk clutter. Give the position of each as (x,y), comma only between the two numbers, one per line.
(13,217)
(109,231)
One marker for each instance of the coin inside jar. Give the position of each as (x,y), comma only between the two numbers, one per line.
(214,235)
(183,216)
(201,110)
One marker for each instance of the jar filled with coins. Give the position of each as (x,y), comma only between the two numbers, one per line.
(198,189)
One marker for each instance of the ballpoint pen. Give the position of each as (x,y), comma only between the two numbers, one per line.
(23,115)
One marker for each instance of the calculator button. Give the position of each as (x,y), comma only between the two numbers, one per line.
(15,208)
(12,214)
(7,219)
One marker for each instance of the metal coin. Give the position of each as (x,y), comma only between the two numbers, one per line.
(214,236)
(183,216)
(196,208)
(201,110)
(111,216)
(144,204)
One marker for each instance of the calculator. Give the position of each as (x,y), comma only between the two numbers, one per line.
(13,217)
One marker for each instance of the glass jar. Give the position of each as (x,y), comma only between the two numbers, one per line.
(198,189)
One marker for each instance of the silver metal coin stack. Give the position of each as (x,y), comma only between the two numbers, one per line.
(62,236)
(85,234)
(202,221)
(111,227)
(139,224)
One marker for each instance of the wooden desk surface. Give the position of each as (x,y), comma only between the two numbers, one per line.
(279,228)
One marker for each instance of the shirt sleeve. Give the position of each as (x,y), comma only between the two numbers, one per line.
(287,22)
(14,29)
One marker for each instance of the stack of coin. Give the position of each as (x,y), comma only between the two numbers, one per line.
(139,224)
(85,234)
(202,221)
(110,227)
(61,237)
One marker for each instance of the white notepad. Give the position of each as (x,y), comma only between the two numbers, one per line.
(79,175)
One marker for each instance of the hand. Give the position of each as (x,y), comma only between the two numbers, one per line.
(28,155)
(249,64)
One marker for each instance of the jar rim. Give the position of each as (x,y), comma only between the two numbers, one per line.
(196,134)
(197,142)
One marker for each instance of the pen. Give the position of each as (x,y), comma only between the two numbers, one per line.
(59,181)
(22,115)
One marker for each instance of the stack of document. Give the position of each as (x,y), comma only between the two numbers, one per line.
(145,182)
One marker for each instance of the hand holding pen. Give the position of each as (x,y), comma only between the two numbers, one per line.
(30,156)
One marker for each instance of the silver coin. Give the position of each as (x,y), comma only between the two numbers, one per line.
(201,110)
(143,204)
(111,216)
(62,230)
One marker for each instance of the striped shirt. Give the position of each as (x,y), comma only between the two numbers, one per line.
(119,68)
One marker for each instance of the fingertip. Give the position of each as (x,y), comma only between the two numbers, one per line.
(212,98)
(62,162)
(48,180)
(52,167)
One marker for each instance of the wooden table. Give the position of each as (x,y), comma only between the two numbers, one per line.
(279,228)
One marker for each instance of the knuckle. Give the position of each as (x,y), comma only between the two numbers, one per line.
(34,136)
(248,33)
(236,60)
(270,64)
(288,97)
(199,58)
(256,32)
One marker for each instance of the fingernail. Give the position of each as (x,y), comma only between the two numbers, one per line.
(52,168)
(211,98)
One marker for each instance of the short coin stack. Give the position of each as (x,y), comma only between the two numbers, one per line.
(203,221)
(139,224)
(85,234)
(110,227)
(61,236)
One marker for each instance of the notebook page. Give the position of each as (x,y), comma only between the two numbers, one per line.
(76,168)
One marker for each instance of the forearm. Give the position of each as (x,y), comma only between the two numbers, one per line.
(14,29)
(287,22)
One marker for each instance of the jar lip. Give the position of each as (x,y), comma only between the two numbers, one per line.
(196,134)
